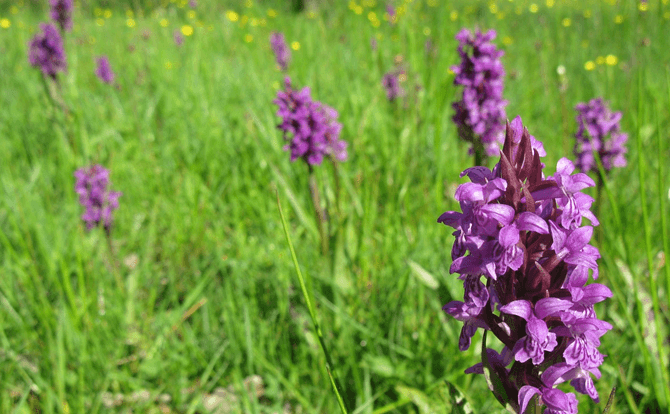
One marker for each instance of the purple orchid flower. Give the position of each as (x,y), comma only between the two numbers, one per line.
(523,233)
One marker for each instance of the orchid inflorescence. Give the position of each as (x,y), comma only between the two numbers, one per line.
(281,50)
(599,131)
(46,51)
(99,201)
(311,127)
(104,71)
(480,114)
(391,84)
(61,13)
(522,233)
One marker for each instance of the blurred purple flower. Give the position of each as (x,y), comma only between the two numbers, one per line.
(596,123)
(391,83)
(522,232)
(391,12)
(61,13)
(94,195)
(280,49)
(310,126)
(104,71)
(480,114)
(46,51)
(192,4)
(178,38)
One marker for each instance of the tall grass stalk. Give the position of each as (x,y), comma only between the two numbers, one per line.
(334,381)
(662,394)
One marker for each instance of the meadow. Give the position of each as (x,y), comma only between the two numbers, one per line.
(195,305)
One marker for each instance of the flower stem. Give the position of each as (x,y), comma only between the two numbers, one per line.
(320,216)
(112,260)
(478,149)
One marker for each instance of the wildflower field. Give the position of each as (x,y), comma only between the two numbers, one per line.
(185,229)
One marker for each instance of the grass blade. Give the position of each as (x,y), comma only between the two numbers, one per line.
(329,364)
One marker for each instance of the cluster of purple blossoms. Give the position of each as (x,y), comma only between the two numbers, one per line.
(280,49)
(310,126)
(61,13)
(481,111)
(104,71)
(391,12)
(391,83)
(596,123)
(46,51)
(178,37)
(92,186)
(524,236)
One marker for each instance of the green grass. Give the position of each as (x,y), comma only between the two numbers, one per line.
(210,296)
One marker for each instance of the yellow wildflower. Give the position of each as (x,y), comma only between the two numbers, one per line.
(566,22)
(130,13)
(550,3)
(5,23)
(232,16)
(99,22)
(254,22)
(533,8)
(643,6)
(272,13)
(187,30)
(191,14)
(295,45)
(130,23)
(311,14)
(107,14)
(376,24)
(248,4)
(493,8)
(500,15)
(244,20)
(275,85)
(13,10)
(618,19)
(426,31)
(168,65)
(507,40)
(358,10)
(372,16)
(248,38)
(164,23)
(97,12)
(587,13)
(611,60)
(600,60)
(589,65)
(453,15)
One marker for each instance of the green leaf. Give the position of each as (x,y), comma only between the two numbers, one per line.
(420,400)
(423,275)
